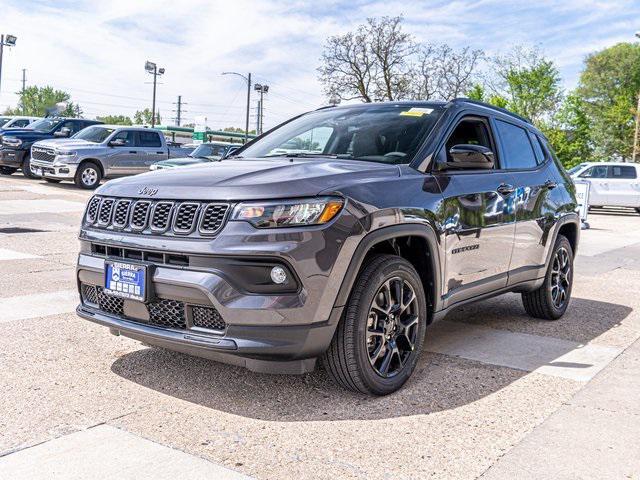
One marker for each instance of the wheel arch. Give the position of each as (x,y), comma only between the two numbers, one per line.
(95,161)
(408,242)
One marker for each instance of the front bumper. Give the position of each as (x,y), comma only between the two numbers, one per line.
(48,170)
(10,157)
(256,335)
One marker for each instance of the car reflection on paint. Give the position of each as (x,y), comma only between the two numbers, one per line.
(204,153)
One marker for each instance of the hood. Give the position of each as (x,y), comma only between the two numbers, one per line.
(251,179)
(67,143)
(23,133)
(178,162)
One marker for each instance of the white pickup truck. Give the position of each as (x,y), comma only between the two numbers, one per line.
(100,151)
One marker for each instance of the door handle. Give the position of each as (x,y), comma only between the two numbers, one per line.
(133,151)
(550,184)
(159,153)
(506,189)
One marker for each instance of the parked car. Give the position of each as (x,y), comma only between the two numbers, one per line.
(15,145)
(611,183)
(396,213)
(100,151)
(7,123)
(206,152)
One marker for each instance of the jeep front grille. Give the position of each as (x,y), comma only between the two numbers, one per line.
(163,312)
(43,154)
(157,217)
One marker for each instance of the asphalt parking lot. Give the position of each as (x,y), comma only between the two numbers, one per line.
(497,395)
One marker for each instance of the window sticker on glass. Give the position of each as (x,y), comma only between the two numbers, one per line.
(416,112)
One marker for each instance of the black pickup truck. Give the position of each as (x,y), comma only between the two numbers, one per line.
(15,146)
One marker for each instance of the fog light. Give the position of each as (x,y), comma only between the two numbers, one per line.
(278,275)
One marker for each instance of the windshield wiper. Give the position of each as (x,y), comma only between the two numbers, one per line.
(309,155)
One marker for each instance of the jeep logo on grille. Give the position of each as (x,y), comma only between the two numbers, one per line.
(147,191)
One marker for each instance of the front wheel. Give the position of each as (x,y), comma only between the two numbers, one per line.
(26,167)
(550,301)
(380,337)
(88,176)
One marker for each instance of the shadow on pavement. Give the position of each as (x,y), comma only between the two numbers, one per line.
(439,383)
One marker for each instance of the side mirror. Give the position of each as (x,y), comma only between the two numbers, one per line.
(471,157)
(117,142)
(63,132)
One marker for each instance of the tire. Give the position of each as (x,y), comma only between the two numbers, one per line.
(7,170)
(349,357)
(52,180)
(638,209)
(26,167)
(542,303)
(88,176)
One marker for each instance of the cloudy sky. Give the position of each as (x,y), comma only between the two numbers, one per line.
(96,49)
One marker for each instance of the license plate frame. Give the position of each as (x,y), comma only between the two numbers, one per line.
(128,280)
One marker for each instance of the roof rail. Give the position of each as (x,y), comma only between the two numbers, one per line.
(493,107)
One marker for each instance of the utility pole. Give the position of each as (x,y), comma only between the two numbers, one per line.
(179,111)
(9,41)
(24,86)
(248,80)
(635,136)
(258,115)
(153,69)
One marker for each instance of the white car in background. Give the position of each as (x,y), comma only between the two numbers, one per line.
(16,121)
(611,183)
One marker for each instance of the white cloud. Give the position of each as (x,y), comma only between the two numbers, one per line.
(96,50)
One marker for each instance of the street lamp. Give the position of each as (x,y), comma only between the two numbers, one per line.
(9,41)
(248,80)
(258,87)
(153,69)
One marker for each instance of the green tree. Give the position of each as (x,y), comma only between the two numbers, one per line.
(143,117)
(116,120)
(527,83)
(39,101)
(609,86)
(570,132)
(479,92)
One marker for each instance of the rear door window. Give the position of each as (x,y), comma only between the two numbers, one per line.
(149,139)
(619,171)
(518,152)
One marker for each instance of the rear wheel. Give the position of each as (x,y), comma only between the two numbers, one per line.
(7,170)
(550,301)
(380,337)
(26,167)
(88,176)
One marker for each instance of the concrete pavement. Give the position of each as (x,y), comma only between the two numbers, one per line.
(491,379)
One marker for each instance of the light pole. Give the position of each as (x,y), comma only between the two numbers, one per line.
(153,69)
(634,155)
(262,89)
(248,80)
(9,41)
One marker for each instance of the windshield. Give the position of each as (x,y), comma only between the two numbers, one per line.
(45,124)
(94,134)
(577,168)
(388,133)
(4,120)
(207,150)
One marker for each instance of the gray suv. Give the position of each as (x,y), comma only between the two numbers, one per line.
(340,235)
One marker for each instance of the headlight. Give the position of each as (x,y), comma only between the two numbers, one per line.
(64,153)
(11,141)
(289,213)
